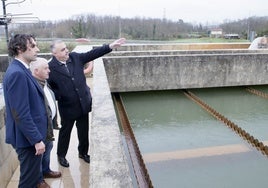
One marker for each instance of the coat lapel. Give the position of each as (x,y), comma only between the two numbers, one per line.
(59,67)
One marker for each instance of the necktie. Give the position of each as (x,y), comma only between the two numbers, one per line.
(66,68)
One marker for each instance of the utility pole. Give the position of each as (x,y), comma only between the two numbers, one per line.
(4,21)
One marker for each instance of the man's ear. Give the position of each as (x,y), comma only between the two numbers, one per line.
(35,71)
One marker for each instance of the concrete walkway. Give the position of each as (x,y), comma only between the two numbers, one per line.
(76,176)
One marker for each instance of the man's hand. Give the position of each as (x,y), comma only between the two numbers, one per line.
(117,43)
(40,148)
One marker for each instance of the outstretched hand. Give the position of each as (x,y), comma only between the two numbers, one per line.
(117,43)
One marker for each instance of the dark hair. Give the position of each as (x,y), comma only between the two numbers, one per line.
(19,42)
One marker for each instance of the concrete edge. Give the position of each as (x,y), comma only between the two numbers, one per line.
(109,166)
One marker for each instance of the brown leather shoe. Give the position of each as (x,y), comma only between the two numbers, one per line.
(52,174)
(43,184)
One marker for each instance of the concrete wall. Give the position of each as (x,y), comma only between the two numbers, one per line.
(183,52)
(183,46)
(108,166)
(3,63)
(8,157)
(156,72)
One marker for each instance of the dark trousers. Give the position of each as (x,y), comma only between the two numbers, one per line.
(30,167)
(46,157)
(65,135)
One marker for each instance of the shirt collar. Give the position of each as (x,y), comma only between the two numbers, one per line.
(25,64)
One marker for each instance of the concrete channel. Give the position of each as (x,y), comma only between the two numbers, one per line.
(155,70)
(184,146)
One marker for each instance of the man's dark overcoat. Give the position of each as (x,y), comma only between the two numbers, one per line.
(69,84)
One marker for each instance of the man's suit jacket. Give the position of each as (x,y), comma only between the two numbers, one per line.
(26,118)
(69,84)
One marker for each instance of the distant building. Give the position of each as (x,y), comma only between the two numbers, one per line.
(232,36)
(216,33)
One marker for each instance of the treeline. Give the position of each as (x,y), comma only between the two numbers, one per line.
(109,27)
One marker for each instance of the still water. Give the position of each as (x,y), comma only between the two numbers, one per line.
(184,146)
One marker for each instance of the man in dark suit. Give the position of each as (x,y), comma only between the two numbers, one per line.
(68,82)
(26,118)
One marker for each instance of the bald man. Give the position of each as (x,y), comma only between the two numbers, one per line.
(259,43)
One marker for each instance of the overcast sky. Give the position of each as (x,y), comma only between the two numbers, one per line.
(194,11)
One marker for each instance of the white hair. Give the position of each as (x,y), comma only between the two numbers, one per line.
(54,43)
(37,63)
